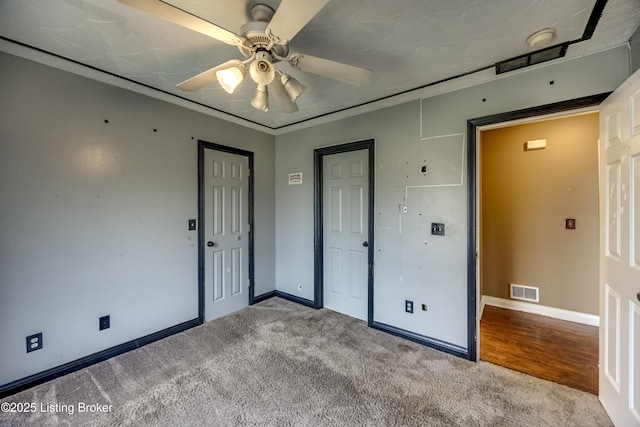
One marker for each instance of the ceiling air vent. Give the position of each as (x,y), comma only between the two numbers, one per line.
(526,293)
(543,55)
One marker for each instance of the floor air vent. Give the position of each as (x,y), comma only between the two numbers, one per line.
(527,293)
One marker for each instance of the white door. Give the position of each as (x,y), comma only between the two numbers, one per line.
(226,242)
(345,232)
(620,254)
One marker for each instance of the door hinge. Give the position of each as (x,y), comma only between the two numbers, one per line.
(249,228)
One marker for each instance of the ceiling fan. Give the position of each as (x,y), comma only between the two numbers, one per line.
(263,41)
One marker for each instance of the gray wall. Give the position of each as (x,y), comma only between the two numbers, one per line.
(94,215)
(410,263)
(634,45)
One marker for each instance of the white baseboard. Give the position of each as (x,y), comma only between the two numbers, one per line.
(556,313)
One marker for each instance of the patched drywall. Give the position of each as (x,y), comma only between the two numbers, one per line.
(410,262)
(97,185)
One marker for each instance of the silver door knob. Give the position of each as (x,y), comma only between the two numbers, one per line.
(365,244)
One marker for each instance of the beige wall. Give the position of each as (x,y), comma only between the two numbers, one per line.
(526,197)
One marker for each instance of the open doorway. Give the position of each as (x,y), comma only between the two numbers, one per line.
(538,212)
(537,240)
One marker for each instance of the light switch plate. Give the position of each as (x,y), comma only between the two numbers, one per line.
(104,322)
(437,228)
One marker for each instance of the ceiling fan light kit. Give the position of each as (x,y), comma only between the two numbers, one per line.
(293,87)
(261,69)
(261,100)
(283,99)
(230,78)
(263,41)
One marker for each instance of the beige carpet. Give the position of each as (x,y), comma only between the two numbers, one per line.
(281,364)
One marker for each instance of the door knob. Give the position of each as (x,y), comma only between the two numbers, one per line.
(211,244)
(638,296)
(365,244)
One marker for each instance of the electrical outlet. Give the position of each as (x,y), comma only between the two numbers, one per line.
(408,306)
(105,322)
(34,342)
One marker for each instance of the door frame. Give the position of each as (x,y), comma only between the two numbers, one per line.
(318,243)
(473,251)
(204,145)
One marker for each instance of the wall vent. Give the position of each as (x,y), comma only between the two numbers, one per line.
(526,293)
(532,58)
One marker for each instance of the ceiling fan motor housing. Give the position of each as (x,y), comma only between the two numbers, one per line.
(255,32)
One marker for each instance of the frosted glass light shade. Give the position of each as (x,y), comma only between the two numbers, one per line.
(230,78)
(261,100)
(293,87)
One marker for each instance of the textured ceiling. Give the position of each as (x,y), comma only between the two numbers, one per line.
(407,44)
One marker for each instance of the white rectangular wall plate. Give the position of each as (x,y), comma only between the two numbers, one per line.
(535,144)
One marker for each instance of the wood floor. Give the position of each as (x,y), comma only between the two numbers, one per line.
(552,349)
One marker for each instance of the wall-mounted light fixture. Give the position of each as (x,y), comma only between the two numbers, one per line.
(535,144)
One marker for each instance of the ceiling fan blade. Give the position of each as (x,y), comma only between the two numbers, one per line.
(332,69)
(185,19)
(291,16)
(282,97)
(204,78)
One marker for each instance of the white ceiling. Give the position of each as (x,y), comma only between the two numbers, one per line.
(407,44)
